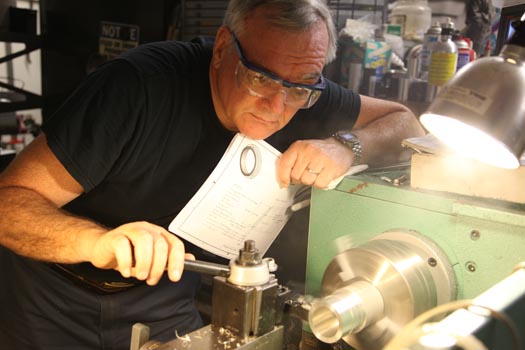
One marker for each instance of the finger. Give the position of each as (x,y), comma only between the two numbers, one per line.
(176,257)
(306,170)
(323,180)
(160,259)
(143,253)
(299,170)
(314,169)
(123,255)
(326,177)
(284,167)
(308,177)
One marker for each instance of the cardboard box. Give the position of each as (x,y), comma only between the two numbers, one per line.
(367,55)
(372,54)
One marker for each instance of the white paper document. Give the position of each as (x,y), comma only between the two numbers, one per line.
(240,200)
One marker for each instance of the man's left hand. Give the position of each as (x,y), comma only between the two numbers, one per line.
(313,162)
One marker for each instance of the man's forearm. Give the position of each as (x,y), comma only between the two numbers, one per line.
(32,226)
(381,139)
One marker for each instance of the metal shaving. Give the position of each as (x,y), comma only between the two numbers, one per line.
(185,338)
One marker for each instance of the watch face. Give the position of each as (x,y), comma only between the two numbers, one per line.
(351,141)
(346,136)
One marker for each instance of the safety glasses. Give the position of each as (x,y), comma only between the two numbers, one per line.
(261,83)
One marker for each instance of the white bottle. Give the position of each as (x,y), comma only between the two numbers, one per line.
(444,56)
(414,16)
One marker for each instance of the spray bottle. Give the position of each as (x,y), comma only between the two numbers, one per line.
(431,36)
(444,56)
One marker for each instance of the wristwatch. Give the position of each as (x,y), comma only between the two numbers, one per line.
(351,141)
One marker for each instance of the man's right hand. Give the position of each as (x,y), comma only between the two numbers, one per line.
(33,189)
(141,247)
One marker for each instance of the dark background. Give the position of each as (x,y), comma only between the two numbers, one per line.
(70,33)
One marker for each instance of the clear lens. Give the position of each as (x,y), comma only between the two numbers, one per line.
(260,85)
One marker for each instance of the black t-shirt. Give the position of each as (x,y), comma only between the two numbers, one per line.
(141,135)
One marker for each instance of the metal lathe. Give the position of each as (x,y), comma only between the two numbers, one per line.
(380,256)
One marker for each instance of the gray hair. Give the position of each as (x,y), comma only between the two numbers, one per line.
(292,15)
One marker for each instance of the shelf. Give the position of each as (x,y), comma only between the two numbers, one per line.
(19,99)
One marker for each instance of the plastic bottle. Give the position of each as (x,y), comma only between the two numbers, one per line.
(444,56)
(414,16)
(431,36)
(473,54)
(463,51)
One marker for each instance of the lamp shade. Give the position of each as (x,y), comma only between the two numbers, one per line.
(480,112)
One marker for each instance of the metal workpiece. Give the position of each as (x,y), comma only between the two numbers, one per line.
(348,310)
(373,290)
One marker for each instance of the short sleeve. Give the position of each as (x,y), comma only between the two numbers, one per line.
(93,126)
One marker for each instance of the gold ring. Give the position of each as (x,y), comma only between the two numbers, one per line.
(313,172)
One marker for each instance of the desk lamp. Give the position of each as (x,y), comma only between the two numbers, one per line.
(480,112)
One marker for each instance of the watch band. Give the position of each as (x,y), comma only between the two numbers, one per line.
(351,141)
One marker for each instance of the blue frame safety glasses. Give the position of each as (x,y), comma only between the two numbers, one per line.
(261,83)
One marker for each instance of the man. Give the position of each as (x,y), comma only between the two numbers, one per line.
(478,24)
(116,163)
(473,18)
